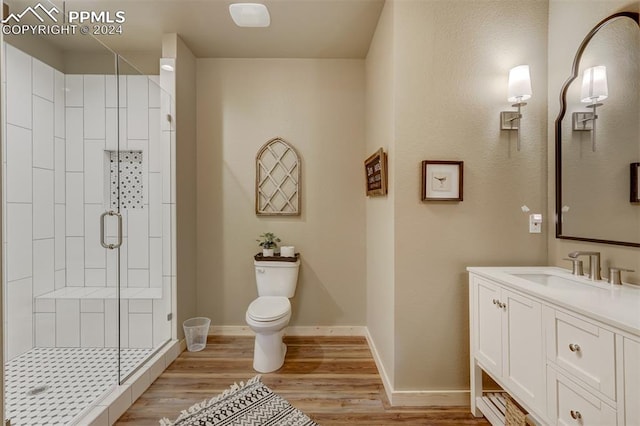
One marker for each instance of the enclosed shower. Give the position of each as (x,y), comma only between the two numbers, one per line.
(88,210)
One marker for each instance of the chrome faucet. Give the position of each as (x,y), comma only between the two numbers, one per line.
(594,263)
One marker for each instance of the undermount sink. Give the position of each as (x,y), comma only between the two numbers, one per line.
(559,282)
(547,279)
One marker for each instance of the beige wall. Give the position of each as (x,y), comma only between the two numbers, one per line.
(563,43)
(450,81)
(318,107)
(380,132)
(147,63)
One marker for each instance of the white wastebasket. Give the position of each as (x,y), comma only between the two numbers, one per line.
(195,333)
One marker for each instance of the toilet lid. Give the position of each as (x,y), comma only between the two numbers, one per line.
(269,308)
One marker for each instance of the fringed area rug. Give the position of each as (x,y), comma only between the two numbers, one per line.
(246,404)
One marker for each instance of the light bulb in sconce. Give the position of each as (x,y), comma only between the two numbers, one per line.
(594,85)
(594,90)
(519,90)
(519,84)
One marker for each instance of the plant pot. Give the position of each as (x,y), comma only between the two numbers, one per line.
(267,252)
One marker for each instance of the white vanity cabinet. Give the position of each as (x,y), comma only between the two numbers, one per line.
(508,342)
(629,414)
(566,349)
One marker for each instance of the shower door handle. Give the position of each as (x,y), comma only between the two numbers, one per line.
(119,241)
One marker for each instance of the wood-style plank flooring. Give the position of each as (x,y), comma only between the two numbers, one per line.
(334,380)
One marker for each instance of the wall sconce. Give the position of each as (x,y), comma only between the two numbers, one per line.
(594,90)
(519,91)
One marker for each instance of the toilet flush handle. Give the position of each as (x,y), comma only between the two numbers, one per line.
(260,270)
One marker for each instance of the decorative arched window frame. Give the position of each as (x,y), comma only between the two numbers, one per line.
(278,172)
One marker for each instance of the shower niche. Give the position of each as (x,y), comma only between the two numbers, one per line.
(126,178)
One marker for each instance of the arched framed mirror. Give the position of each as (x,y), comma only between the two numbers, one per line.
(598,137)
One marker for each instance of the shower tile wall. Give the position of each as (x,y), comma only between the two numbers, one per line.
(35,96)
(59,131)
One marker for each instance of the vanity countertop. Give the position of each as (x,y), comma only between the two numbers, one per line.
(616,305)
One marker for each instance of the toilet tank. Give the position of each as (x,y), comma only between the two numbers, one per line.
(277,278)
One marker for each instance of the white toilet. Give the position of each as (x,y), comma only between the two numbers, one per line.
(269,314)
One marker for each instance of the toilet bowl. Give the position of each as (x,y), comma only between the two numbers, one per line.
(268,316)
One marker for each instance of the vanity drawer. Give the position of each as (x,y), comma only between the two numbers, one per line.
(570,404)
(584,350)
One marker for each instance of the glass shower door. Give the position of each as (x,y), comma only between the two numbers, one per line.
(145,206)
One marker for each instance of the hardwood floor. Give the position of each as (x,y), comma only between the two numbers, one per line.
(334,380)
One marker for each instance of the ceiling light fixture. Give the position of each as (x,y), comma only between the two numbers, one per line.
(250,14)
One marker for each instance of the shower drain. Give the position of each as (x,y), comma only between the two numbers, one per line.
(37,390)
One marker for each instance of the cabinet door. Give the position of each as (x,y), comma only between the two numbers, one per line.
(631,382)
(523,361)
(488,326)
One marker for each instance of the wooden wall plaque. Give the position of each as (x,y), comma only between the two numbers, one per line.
(375,169)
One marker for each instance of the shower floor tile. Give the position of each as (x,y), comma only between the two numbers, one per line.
(51,386)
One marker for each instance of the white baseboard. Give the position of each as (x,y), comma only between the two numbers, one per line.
(230,330)
(295,330)
(339,330)
(388,386)
(430,398)
(417,398)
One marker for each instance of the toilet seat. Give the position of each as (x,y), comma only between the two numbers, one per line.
(269,308)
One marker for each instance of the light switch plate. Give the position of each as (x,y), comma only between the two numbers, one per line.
(535,223)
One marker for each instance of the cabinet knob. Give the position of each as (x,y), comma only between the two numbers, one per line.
(576,415)
(499,304)
(574,347)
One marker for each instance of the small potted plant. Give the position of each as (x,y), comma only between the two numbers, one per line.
(268,241)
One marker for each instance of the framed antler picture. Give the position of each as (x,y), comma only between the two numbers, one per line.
(442,180)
